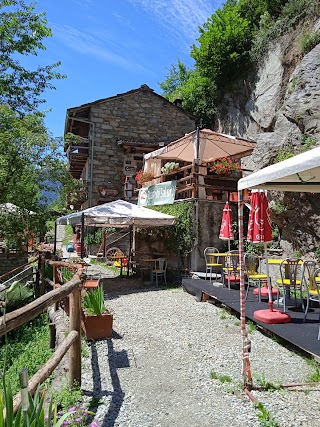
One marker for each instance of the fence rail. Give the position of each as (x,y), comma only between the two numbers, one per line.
(72,343)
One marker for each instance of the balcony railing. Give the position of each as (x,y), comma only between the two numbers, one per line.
(192,184)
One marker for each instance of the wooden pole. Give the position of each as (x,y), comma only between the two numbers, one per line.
(16,318)
(75,350)
(42,275)
(82,236)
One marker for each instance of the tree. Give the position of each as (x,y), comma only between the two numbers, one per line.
(22,31)
(30,162)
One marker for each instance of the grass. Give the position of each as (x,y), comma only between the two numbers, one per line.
(251,326)
(68,234)
(265,417)
(222,378)
(67,397)
(267,385)
(28,347)
(315,376)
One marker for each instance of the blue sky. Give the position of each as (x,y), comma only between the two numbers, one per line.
(111,46)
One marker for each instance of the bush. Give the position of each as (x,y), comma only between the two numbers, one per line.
(309,41)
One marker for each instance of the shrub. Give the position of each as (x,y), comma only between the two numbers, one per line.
(309,41)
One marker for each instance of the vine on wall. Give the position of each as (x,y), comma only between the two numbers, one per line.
(180,236)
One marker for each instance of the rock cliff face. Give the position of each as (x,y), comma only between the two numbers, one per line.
(282,113)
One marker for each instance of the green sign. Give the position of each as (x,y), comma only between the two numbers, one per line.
(159,194)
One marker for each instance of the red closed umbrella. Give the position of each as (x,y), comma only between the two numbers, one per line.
(259,226)
(260,231)
(226,231)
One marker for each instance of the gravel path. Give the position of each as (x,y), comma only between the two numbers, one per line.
(155,371)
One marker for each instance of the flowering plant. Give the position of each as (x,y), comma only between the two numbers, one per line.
(169,167)
(77,416)
(224,166)
(143,176)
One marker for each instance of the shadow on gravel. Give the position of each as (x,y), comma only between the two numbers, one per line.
(116,360)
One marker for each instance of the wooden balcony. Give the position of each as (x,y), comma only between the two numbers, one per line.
(192,184)
(77,156)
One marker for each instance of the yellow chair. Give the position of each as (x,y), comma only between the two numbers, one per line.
(311,279)
(213,263)
(289,270)
(253,274)
(231,268)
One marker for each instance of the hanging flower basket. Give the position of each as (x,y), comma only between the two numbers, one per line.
(169,167)
(144,176)
(224,166)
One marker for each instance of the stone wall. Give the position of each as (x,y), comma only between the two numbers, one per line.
(9,262)
(140,116)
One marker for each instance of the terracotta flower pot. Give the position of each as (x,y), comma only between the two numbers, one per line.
(98,327)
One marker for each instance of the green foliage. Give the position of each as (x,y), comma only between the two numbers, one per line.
(180,236)
(20,296)
(309,41)
(315,376)
(284,154)
(307,142)
(22,31)
(288,15)
(27,347)
(95,237)
(225,43)
(265,417)
(251,326)
(31,163)
(34,415)
(93,302)
(278,207)
(67,396)
(317,253)
(229,45)
(221,378)
(267,385)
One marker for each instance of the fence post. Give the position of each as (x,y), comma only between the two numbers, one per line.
(75,350)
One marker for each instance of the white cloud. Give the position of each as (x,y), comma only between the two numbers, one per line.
(180,18)
(97,45)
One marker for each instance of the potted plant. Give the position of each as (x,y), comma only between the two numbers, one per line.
(143,176)
(97,318)
(169,167)
(224,166)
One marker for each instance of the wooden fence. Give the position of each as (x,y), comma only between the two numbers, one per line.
(19,317)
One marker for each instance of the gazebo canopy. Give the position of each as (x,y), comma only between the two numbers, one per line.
(212,145)
(299,173)
(117,214)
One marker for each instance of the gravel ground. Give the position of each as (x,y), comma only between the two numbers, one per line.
(155,371)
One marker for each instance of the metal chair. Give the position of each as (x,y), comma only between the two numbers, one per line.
(213,264)
(311,280)
(289,270)
(160,270)
(231,268)
(253,274)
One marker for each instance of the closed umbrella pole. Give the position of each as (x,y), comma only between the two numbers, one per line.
(260,231)
(226,230)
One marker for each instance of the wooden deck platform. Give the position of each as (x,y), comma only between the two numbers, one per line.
(298,333)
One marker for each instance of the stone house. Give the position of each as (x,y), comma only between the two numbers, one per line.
(112,136)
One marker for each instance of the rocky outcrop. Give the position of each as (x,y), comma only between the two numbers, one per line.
(282,113)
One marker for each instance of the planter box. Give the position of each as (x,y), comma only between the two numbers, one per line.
(97,327)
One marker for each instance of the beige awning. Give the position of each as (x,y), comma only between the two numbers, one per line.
(212,145)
